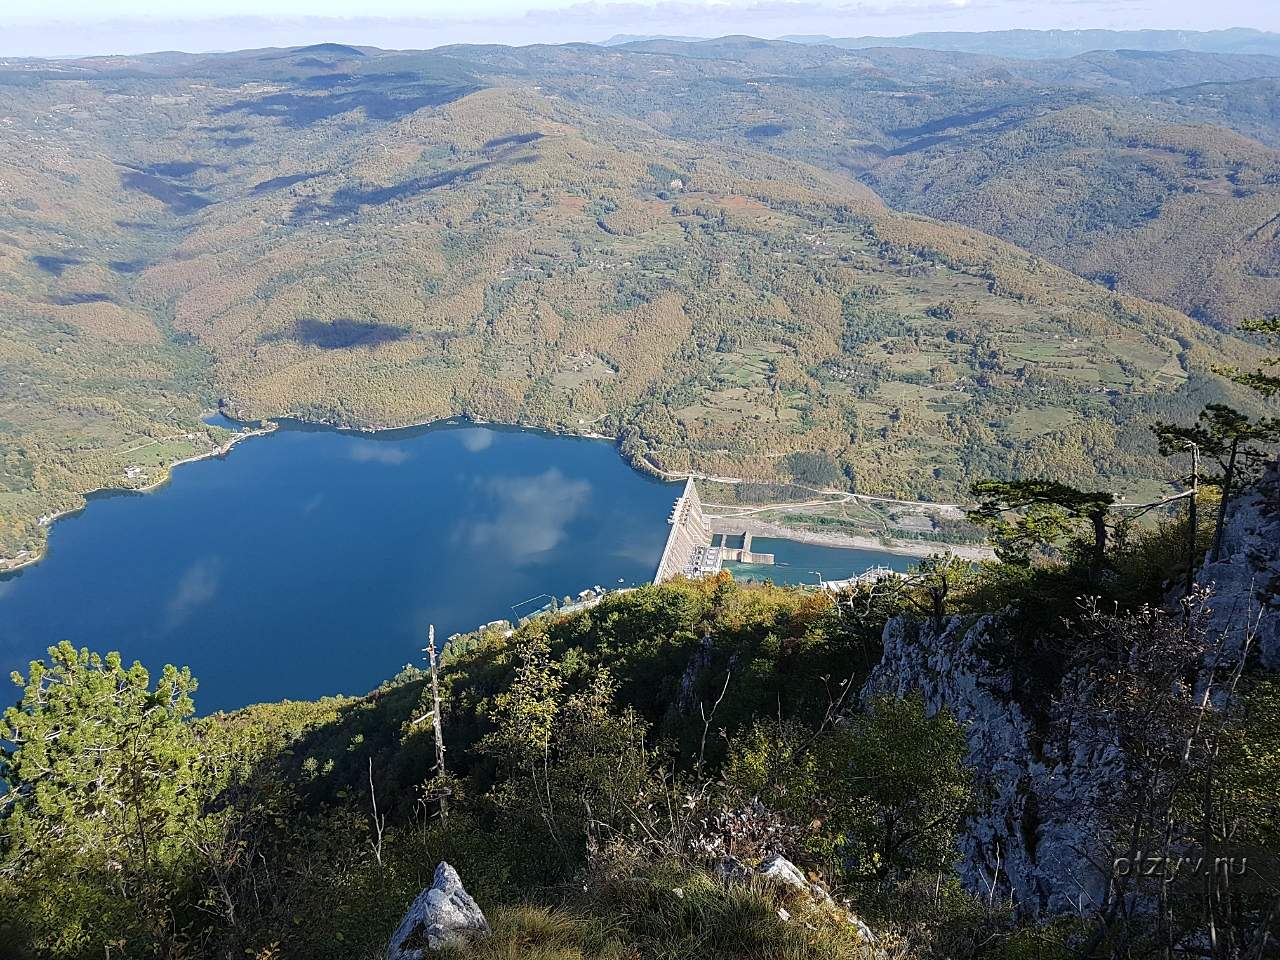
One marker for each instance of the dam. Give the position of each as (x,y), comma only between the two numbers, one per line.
(695,546)
(688,551)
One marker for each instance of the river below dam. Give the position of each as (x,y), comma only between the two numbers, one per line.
(310,561)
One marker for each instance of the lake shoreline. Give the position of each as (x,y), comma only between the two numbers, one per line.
(761,528)
(10,565)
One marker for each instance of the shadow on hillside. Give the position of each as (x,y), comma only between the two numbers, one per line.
(331,757)
(513,139)
(157,182)
(279,183)
(71,299)
(54,265)
(341,334)
(302,110)
(330,81)
(350,200)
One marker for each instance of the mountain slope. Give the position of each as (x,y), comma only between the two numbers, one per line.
(1187,215)
(378,240)
(1107,163)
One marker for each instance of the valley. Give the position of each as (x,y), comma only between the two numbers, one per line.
(374,239)
(652,499)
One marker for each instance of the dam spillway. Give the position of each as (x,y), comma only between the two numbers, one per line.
(721,535)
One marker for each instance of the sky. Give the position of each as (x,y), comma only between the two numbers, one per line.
(79,27)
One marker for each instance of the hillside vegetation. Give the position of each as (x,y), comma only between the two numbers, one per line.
(1153,172)
(1185,215)
(376,239)
(602,765)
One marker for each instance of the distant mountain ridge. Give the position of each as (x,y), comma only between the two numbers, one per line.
(1040,44)
(1035,44)
(618,39)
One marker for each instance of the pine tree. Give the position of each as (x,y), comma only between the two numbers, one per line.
(102,775)
(1045,513)
(1228,438)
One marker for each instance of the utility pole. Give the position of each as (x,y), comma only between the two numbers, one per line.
(435,719)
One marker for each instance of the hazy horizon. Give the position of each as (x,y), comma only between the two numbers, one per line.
(71,28)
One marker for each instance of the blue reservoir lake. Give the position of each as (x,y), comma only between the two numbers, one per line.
(310,561)
(796,562)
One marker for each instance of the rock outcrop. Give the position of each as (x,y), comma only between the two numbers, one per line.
(443,914)
(776,868)
(1037,837)
(779,869)
(1246,578)
(1033,841)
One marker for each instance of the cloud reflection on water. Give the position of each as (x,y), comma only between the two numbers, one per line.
(531,515)
(376,451)
(197,586)
(475,440)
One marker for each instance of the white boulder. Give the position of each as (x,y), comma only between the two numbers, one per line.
(779,869)
(443,914)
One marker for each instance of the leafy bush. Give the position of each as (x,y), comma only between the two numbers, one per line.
(884,793)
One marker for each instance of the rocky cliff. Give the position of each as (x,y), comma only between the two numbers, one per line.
(1032,840)
(1050,784)
(1246,579)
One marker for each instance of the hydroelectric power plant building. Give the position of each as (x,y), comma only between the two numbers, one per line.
(688,551)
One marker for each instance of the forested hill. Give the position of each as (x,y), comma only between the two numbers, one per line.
(636,243)
(1152,172)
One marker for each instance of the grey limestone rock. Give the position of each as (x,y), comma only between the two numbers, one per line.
(442,914)
(1035,839)
(1246,577)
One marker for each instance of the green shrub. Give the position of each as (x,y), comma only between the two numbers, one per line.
(884,794)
